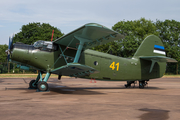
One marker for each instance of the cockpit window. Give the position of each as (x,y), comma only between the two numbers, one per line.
(45,45)
(38,44)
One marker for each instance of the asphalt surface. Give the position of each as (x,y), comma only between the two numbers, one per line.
(78,99)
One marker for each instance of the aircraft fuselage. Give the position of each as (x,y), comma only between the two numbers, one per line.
(111,67)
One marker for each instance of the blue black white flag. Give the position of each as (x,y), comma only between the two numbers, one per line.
(159,49)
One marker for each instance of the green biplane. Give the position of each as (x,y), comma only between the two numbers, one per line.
(70,56)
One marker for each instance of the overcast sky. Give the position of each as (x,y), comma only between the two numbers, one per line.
(68,15)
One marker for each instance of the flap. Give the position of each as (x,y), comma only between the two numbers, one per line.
(158,58)
(92,34)
(74,70)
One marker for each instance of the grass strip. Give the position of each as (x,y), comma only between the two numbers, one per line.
(27,76)
(56,76)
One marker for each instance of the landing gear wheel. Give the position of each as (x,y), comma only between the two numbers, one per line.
(31,85)
(42,86)
(141,84)
(129,84)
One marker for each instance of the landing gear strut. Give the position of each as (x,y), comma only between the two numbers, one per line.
(40,83)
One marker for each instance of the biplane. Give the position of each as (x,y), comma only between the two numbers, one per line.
(71,56)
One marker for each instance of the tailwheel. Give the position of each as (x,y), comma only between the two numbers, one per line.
(42,86)
(32,84)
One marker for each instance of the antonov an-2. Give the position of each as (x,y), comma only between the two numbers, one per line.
(70,56)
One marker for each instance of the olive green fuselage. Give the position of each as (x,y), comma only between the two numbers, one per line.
(110,67)
(123,69)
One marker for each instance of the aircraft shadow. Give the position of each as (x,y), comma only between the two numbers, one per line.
(57,89)
(85,90)
(54,91)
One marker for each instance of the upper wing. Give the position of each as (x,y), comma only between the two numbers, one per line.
(93,34)
(158,58)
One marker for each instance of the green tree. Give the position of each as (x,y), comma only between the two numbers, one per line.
(114,48)
(134,32)
(3,55)
(36,31)
(169,32)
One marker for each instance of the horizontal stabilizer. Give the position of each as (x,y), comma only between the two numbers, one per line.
(74,70)
(155,59)
(158,58)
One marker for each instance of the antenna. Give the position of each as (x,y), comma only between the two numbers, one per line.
(52,35)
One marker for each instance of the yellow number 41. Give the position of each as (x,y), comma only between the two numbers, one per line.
(112,66)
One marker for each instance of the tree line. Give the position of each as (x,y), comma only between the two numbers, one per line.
(135,31)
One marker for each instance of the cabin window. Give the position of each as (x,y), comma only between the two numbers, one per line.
(95,63)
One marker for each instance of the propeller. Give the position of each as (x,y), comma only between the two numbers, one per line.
(9,47)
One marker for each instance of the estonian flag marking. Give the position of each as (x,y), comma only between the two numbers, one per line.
(159,49)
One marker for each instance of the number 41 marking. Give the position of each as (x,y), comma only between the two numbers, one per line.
(112,66)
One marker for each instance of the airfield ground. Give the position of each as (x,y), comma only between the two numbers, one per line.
(78,99)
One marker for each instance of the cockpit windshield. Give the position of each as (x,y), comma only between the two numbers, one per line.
(44,45)
(38,44)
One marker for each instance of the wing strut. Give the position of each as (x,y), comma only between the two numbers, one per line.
(80,47)
(62,53)
(152,65)
(78,52)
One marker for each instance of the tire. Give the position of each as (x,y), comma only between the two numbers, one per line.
(31,84)
(141,84)
(42,86)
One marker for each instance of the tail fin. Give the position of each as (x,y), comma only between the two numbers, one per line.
(151,46)
(152,49)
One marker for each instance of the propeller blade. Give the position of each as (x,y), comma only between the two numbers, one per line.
(9,43)
(12,41)
(9,47)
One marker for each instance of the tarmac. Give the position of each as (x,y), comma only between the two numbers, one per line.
(79,99)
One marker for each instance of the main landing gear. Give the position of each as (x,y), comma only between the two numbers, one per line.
(33,84)
(142,84)
(40,83)
(129,84)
